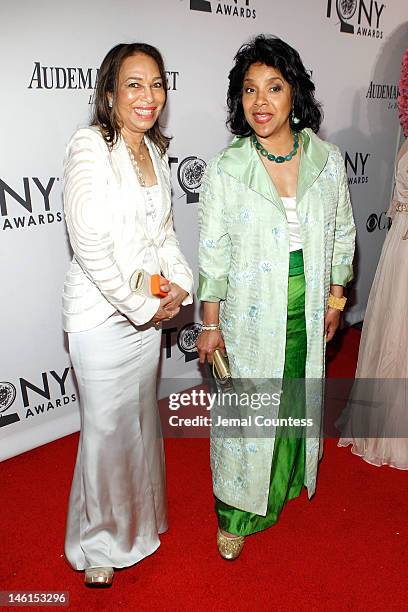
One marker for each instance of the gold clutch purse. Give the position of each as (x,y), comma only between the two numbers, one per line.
(221,369)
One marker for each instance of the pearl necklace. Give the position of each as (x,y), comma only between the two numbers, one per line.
(136,167)
(279,159)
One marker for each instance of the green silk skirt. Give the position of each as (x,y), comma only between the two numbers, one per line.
(288,462)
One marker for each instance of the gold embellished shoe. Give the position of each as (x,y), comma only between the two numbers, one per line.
(99,576)
(229,548)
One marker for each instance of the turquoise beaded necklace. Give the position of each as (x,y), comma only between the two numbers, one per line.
(279,159)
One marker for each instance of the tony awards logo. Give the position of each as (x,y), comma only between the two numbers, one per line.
(7,397)
(190,173)
(360,17)
(200,5)
(186,340)
(345,11)
(228,8)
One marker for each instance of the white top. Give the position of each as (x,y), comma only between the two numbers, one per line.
(295,241)
(152,204)
(151,197)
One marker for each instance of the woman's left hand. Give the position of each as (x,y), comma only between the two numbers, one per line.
(176,293)
(331,322)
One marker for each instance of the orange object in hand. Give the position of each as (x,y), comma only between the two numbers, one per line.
(155,281)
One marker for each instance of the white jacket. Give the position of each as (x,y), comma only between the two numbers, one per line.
(106,222)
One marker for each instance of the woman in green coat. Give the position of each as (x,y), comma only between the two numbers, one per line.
(276,250)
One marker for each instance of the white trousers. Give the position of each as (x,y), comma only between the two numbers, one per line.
(117,505)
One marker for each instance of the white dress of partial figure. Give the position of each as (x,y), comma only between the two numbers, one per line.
(377,423)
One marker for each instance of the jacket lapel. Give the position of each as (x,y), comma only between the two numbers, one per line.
(241,161)
(313,158)
(131,189)
(158,165)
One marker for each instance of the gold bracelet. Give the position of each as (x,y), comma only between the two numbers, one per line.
(336,302)
(210,327)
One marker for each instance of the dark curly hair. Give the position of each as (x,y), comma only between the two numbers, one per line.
(273,51)
(105,117)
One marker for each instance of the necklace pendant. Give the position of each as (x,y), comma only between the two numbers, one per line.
(136,168)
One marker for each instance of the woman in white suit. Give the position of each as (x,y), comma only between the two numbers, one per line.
(118,213)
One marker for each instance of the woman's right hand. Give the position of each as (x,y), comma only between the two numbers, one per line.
(206,344)
(163,313)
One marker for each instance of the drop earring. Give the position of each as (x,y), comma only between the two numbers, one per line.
(293,118)
(110,103)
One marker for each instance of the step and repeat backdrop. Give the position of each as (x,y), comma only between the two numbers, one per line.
(50,53)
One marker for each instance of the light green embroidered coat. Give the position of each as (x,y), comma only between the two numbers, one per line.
(244,262)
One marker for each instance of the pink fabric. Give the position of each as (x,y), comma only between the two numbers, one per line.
(403,94)
(383,350)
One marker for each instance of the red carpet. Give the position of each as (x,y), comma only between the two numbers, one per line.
(345,550)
